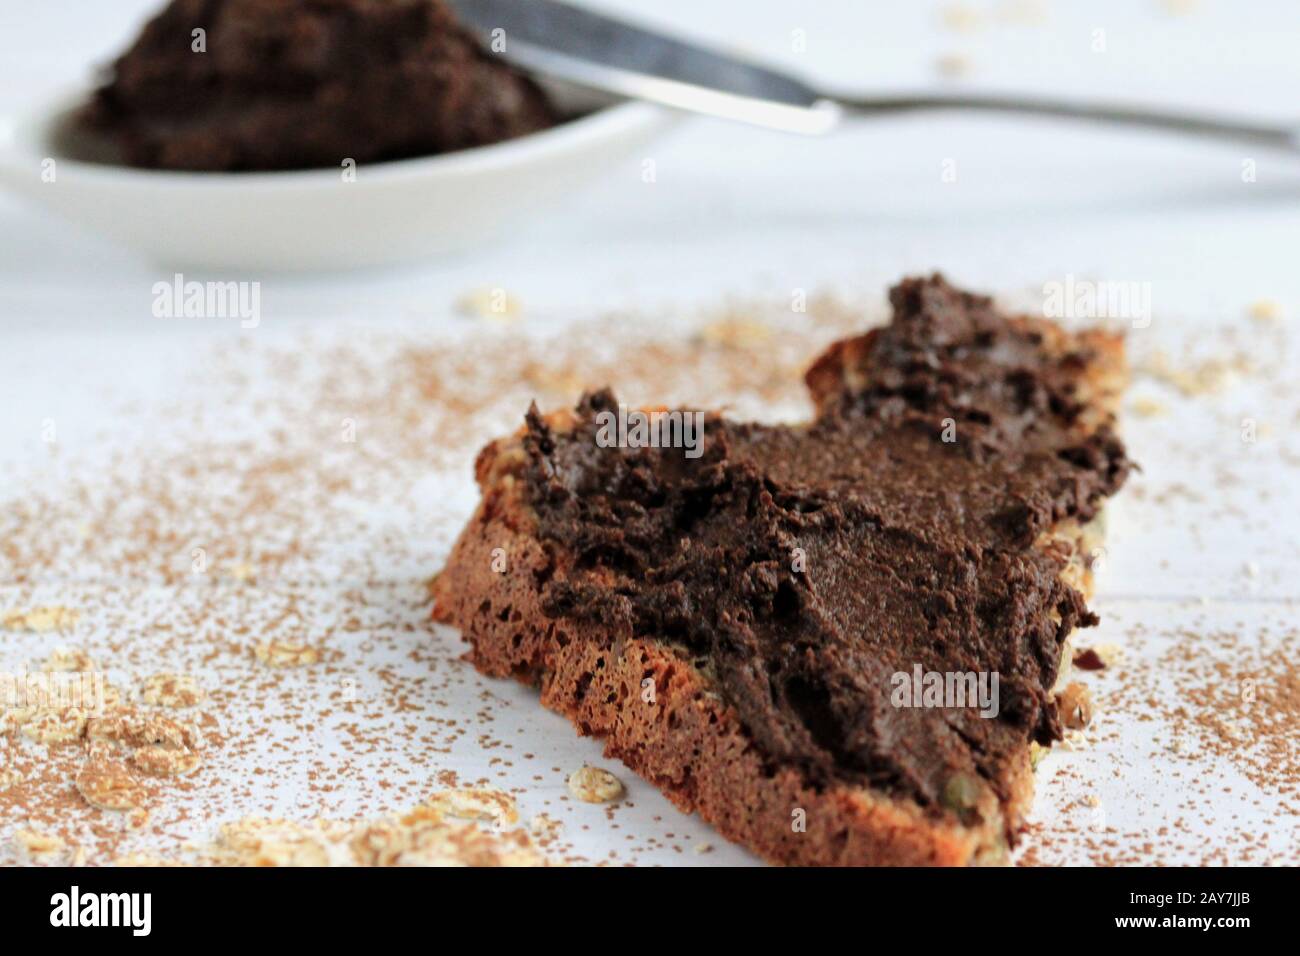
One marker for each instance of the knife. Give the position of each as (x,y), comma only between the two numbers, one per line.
(560,40)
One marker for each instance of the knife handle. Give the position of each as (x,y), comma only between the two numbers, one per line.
(1271,136)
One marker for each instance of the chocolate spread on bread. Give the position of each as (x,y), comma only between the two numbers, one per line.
(802,567)
(290,84)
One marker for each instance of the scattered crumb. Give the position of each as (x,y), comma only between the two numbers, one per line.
(1110,655)
(109,786)
(964,18)
(64,660)
(1075,704)
(56,726)
(1265,310)
(594,785)
(128,860)
(136,729)
(961,18)
(1148,407)
(241,570)
(476,804)
(952,65)
(544,827)
(171,690)
(1089,660)
(735,332)
(286,654)
(1023,12)
(1206,377)
(164,761)
(1036,754)
(423,836)
(40,619)
(39,847)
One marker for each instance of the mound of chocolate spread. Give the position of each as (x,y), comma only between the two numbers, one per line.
(290,84)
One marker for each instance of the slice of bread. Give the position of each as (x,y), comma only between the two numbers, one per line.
(666,707)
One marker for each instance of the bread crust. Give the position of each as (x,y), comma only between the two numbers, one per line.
(687,741)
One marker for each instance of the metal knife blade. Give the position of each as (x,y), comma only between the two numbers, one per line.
(585,47)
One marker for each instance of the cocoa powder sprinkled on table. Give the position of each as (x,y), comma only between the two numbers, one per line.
(218,569)
(299,495)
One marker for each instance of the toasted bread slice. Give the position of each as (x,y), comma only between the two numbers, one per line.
(827,786)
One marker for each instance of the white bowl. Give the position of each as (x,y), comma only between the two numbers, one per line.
(312,220)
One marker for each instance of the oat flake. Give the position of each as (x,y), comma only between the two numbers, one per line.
(594,785)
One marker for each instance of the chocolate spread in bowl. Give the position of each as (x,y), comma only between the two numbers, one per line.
(804,566)
(293,84)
